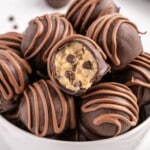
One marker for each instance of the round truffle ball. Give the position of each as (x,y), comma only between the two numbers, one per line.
(83,12)
(14,72)
(41,35)
(11,41)
(137,77)
(118,37)
(78,63)
(57,3)
(109,109)
(45,110)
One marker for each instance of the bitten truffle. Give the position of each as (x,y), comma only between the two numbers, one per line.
(11,41)
(137,77)
(83,12)
(41,35)
(109,109)
(118,37)
(45,110)
(14,72)
(57,3)
(76,63)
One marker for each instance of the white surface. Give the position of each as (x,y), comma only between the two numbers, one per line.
(138,11)
(144,144)
(24,10)
(17,139)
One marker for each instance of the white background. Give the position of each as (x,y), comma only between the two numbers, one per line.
(24,10)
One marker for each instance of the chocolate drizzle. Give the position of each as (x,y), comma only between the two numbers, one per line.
(107,31)
(138,78)
(141,65)
(14,72)
(83,12)
(48,30)
(11,41)
(109,103)
(45,110)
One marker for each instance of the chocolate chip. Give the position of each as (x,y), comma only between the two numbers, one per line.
(15,27)
(69,74)
(83,50)
(77,83)
(87,65)
(71,58)
(11,18)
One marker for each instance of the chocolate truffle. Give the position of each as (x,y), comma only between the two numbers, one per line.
(137,77)
(109,109)
(14,72)
(57,3)
(45,110)
(11,41)
(41,35)
(76,63)
(83,12)
(118,37)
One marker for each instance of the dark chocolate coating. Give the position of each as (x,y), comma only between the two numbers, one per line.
(41,35)
(137,77)
(144,113)
(8,105)
(45,110)
(72,135)
(99,56)
(14,72)
(109,77)
(118,37)
(11,41)
(12,117)
(108,109)
(88,135)
(83,12)
(57,3)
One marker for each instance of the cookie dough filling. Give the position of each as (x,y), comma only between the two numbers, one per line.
(75,66)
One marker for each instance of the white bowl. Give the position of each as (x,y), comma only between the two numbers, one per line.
(17,139)
(13,138)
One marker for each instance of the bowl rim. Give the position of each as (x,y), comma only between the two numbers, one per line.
(4,122)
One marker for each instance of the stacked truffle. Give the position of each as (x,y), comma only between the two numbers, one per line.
(81,76)
(57,3)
